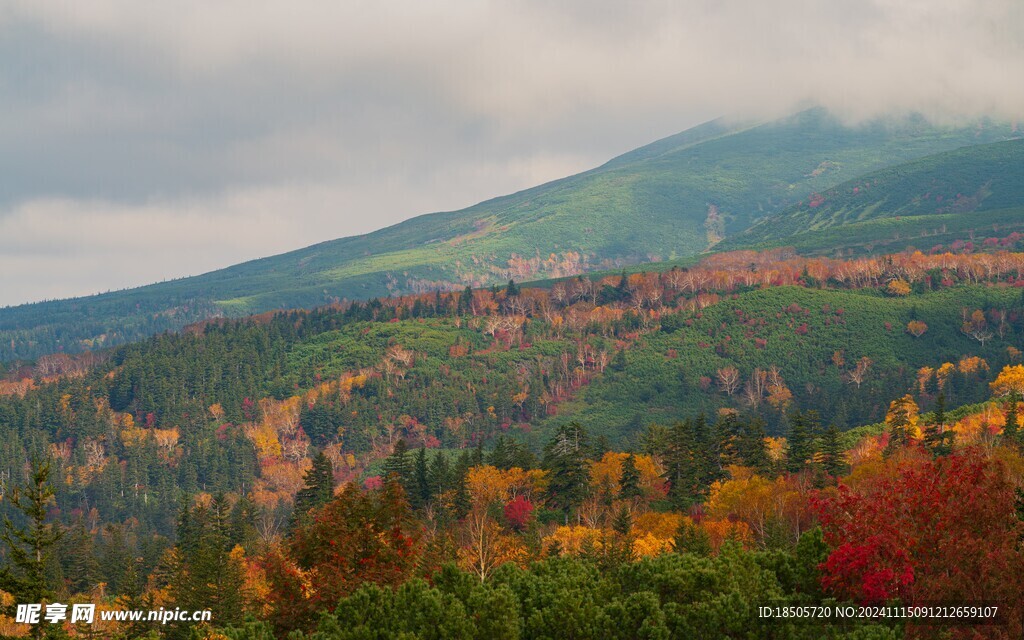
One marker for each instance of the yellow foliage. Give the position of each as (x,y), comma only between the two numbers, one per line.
(573,539)
(649,545)
(972,364)
(904,412)
(721,530)
(898,287)
(662,526)
(609,469)
(1009,380)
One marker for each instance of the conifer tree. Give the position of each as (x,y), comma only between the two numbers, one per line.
(30,548)
(832,452)
(801,430)
(629,481)
(1011,430)
(566,459)
(318,491)
(420,494)
(396,466)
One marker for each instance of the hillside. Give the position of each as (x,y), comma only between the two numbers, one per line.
(509,411)
(671,199)
(924,201)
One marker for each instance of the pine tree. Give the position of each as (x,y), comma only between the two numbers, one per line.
(396,466)
(832,452)
(629,481)
(318,491)
(1011,431)
(936,438)
(565,458)
(440,474)
(753,450)
(801,429)
(420,494)
(30,549)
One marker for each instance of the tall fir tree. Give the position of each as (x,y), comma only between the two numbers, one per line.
(566,459)
(30,548)
(629,480)
(832,454)
(420,495)
(802,427)
(318,489)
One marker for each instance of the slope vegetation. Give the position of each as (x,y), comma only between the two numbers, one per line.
(674,198)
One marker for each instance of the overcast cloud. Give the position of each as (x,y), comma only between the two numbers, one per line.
(147,140)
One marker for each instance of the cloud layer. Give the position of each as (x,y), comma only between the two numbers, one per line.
(143,140)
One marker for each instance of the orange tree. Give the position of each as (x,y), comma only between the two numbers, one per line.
(358,537)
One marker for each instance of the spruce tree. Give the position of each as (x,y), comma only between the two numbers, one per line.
(420,494)
(936,438)
(318,490)
(440,474)
(396,465)
(565,458)
(753,450)
(801,430)
(30,548)
(1011,431)
(832,452)
(629,481)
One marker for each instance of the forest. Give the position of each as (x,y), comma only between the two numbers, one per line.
(652,455)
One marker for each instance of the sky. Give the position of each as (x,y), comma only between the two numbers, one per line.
(142,141)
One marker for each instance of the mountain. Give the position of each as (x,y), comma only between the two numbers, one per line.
(674,198)
(924,201)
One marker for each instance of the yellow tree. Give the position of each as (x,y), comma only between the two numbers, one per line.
(1009,381)
(485,546)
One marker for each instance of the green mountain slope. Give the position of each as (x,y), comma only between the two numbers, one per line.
(671,199)
(938,195)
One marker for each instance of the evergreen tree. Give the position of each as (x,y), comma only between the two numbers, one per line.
(78,558)
(420,494)
(629,481)
(801,430)
(206,573)
(396,466)
(1011,431)
(936,438)
(30,548)
(512,290)
(753,450)
(318,489)
(465,301)
(440,474)
(566,460)
(832,452)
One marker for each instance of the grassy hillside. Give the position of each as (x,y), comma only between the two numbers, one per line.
(671,199)
(800,331)
(940,195)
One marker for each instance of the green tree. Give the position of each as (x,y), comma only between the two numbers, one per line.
(421,493)
(30,548)
(832,452)
(629,481)
(318,489)
(802,425)
(566,460)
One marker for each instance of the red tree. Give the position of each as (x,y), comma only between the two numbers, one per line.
(927,531)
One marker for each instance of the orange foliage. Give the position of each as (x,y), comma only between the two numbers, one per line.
(1010,380)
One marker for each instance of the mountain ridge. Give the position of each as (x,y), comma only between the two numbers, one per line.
(670,199)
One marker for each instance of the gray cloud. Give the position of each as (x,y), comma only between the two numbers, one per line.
(145,140)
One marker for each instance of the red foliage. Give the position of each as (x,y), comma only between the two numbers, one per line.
(356,538)
(518,512)
(926,531)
